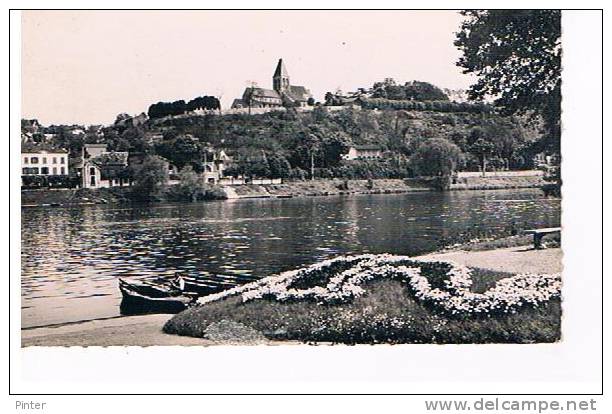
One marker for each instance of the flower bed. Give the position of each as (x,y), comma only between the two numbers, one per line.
(444,285)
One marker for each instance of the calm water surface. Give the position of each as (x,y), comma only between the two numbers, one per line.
(71,257)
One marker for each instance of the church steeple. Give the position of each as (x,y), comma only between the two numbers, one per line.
(280,79)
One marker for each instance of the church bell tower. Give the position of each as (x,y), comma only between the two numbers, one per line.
(280,79)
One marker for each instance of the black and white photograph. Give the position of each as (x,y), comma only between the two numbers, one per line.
(357,180)
(390,205)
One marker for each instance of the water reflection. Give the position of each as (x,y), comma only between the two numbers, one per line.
(71,257)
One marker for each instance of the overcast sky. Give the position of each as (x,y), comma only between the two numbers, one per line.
(86,67)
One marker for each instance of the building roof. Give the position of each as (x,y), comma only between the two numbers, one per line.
(137,158)
(95,145)
(281,70)
(238,103)
(111,159)
(33,148)
(264,93)
(367,147)
(298,93)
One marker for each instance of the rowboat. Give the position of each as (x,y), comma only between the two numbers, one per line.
(150,297)
(171,296)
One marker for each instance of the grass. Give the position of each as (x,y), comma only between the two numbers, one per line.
(388,313)
(485,279)
(553,240)
(322,277)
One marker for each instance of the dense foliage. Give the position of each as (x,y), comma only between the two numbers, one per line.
(50,181)
(300,145)
(150,178)
(398,119)
(516,56)
(437,157)
(415,90)
(161,109)
(436,106)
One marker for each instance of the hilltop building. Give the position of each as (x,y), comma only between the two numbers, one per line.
(282,94)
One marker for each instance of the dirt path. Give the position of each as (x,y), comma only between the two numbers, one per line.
(521,259)
(144,330)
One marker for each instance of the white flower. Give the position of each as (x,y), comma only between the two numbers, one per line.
(506,296)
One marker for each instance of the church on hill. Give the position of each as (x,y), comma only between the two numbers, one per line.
(282,94)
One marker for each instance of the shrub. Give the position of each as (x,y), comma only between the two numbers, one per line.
(150,178)
(437,157)
(51,181)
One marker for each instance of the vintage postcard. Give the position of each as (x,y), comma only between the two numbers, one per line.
(352,186)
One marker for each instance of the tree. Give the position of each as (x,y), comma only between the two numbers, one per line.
(312,144)
(181,151)
(122,117)
(114,141)
(137,139)
(279,166)
(516,55)
(415,90)
(437,157)
(203,102)
(483,149)
(331,147)
(423,91)
(190,184)
(150,177)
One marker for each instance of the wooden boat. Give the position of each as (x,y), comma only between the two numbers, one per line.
(162,295)
(150,297)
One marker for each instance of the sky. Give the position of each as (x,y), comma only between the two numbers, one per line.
(85,67)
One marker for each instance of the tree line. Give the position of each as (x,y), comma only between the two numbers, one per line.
(162,109)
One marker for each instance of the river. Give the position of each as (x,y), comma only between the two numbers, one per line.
(71,257)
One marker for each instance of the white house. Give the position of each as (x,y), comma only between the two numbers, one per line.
(38,161)
(214,169)
(105,170)
(363,152)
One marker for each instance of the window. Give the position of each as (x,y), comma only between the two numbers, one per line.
(63,160)
(34,160)
(44,170)
(44,160)
(54,160)
(26,160)
(92,171)
(54,170)
(25,171)
(63,170)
